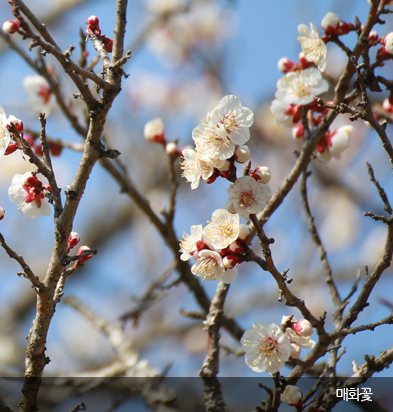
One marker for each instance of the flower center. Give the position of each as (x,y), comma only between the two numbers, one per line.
(269,347)
(246,199)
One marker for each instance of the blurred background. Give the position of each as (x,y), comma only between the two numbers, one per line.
(187,55)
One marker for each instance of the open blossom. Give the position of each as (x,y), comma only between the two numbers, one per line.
(266,348)
(4,133)
(248,196)
(208,265)
(27,192)
(212,142)
(313,47)
(40,95)
(188,244)
(235,119)
(223,229)
(300,87)
(194,167)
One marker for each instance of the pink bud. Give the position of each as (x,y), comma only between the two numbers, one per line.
(154,131)
(93,25)
(73,240)
(261,174)
(242,154)
(83,259)
(17,122)
(244,233)
(387,106)
(2,213)
(230,261)
(11,26)
(55,149)
(298,131)
(303,327)
(171,149)
(108,44)
(236,247)
(292,396)
(373,36)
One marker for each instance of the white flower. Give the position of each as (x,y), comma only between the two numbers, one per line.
(248,196)
(266,348)
(301,86)
(208,265)
(292,396)
(4,133)
(188,244)
(313,47)
(194,168)
(234,118)
(298,332)
(223,229)
(27,192)
(40,96)
(212,142)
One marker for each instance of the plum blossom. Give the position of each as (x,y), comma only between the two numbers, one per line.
(292,396)
(11,26)
(287,115)
(27,192)
(208,265)
(223,229)
(266,348)
(188,244)
(300,87)
(330,22)
(194,167)
(234,118)
(154,131)
(313,47)
(298,332)
(248,196)
(4,133)
(212,142)
(40,95)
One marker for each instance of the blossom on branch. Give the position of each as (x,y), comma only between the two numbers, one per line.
(28,192)
(188,244)
(223,229)
(300,87)
(248,196)
(313,47)
(266,348)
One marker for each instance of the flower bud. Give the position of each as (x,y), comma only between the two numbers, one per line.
(292,396)
(302,327)
(55,149)
(285,65)
(73,240)
(2,213)
(330,23)
(244,233)
(340,140)
(93,25)
(230,261)
(388,43)
(11,26)
(242,154)
(261,174)
(154,131)
(171,149)
(17,122)
(108,44)
(83,259)
(230,207)
(387,106)
(373,35)
(236,247)
(11,148)
(298,131)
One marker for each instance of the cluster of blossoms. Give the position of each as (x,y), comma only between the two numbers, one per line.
(267,348)
(93,28)
(217,248)
(219,143)
(303,81)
